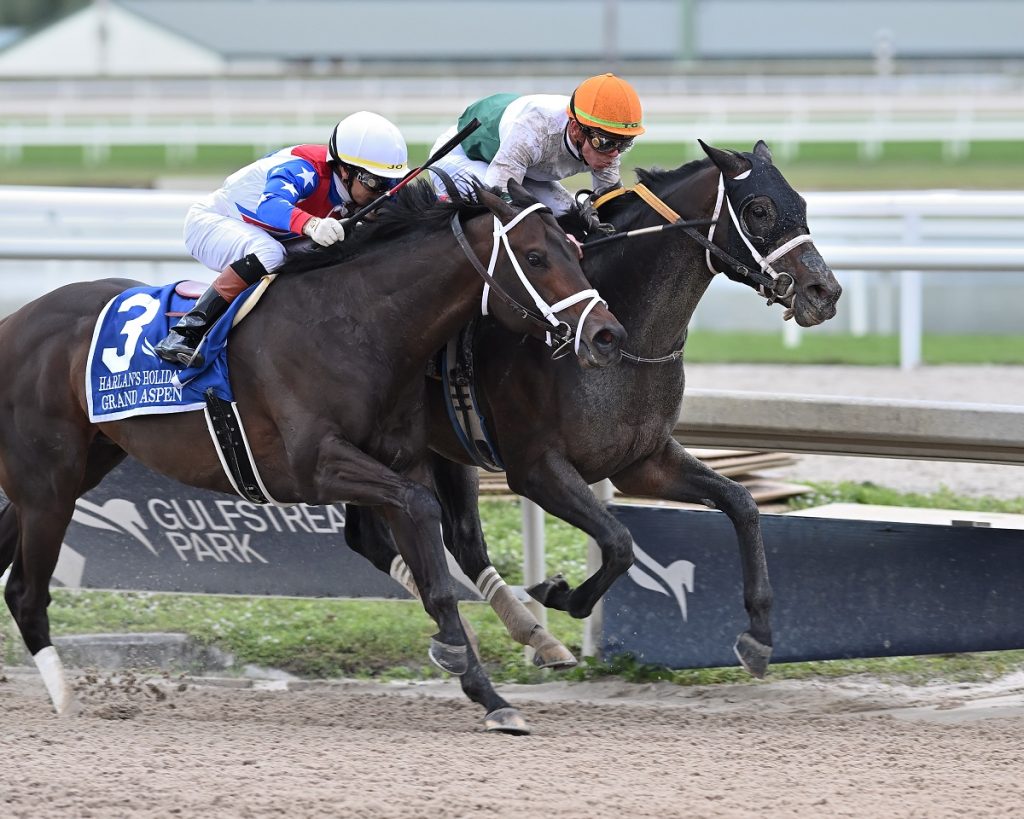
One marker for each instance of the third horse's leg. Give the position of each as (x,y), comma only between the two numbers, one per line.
(555,485)
(674,474)
(342,470)
(368,534)
(458,488)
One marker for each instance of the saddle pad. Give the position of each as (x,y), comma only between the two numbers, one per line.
(124,375)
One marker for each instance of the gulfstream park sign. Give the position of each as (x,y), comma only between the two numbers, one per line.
(842,588)
(138,530)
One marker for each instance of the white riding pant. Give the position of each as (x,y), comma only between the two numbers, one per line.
(462,169)
(217,240)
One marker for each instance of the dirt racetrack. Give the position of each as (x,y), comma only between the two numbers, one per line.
(853,748)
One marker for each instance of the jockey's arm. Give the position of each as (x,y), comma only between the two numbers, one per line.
(287,184)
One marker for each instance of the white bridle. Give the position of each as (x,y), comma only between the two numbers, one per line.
(765,262)
(547,310)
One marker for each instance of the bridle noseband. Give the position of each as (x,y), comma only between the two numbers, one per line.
(556,332)
(772,285)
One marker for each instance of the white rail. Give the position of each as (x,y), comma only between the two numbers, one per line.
(181,139)
(907,232)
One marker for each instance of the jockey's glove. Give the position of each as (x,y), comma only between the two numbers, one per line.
(324,232)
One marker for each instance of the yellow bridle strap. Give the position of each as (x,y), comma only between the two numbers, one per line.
(647,195)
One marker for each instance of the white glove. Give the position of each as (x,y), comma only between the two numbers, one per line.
(324,232)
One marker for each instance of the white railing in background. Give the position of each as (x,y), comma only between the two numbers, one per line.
(181,140)
(906,232)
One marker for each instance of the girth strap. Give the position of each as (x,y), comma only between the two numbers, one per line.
(232,446)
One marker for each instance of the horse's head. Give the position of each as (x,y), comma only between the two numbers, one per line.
(539,284)
(764,226)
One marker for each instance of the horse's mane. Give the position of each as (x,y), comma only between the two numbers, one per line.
(413,211)
(658,180)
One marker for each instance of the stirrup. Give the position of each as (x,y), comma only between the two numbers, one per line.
(179,351)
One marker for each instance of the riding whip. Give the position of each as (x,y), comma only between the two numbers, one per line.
(629,234)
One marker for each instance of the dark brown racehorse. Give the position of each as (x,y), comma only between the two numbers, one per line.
(558,430)
(328,375)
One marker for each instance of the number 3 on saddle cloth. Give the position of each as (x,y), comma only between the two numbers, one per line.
(125,377)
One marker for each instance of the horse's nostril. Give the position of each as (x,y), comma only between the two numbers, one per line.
(823,295)
(605,340)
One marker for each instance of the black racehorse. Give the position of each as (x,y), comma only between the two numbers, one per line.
(558,430)
(328,375)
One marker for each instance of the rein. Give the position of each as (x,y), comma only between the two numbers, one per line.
(544,317)
(770,284)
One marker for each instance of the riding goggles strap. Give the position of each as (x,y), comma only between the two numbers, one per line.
(546,311)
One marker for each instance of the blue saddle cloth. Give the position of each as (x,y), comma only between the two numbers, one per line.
(124,375)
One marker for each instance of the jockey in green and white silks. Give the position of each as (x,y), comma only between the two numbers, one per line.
(540,139)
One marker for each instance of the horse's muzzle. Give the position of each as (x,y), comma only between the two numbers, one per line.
(817,291)
(601,340)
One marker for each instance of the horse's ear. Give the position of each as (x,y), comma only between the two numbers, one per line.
(762,151)
(729,162)
(495,204)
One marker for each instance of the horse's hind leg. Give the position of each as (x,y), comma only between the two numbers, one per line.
(42,523)
(33,532)
(458,488)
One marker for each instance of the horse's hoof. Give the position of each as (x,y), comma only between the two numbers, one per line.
(552,593)
(552,654)
(752,654)
(506,720)
(448,658)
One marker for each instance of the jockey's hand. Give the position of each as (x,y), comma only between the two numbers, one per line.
(576,244)
(593,222)
(324,232)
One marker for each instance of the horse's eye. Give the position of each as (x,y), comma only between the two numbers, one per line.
(535,259)
(758,217)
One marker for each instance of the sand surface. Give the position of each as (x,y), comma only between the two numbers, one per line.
(983,384)
(856,748)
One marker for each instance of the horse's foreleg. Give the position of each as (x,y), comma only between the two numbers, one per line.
(556,486)
(367,534)
(414,516)
(458,488)
(476,685)
(674,474)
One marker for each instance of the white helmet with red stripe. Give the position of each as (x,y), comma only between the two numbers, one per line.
(369,141)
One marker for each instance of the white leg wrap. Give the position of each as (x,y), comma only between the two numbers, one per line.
(52,670)
(519,621)
(400,571)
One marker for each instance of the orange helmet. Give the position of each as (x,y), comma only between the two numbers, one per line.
(609,104)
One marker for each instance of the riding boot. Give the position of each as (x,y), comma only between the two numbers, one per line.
(179,347)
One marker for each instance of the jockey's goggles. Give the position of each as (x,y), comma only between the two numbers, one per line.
(606,143)
(375,183)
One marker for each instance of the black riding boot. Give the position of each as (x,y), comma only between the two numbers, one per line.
(180,345)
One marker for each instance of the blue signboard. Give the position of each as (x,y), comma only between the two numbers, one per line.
(843,588)
(141,531)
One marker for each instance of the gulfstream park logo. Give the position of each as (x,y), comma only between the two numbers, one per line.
(675,579)
(221,531)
